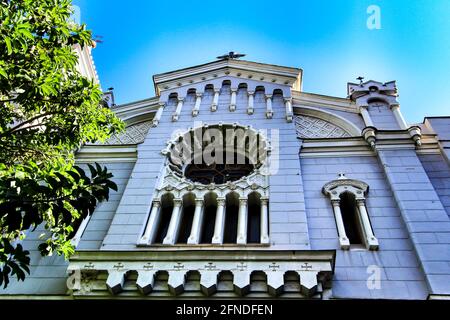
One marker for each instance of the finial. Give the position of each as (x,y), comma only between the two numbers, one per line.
(360,80)
(231,55)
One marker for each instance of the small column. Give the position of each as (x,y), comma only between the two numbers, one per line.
(251,102)
(289,112)
(242,222)
(264,221)
(177,112)
(233,99)
(399,117)
(158,113)
(371,240)
(198,101)
(194,237)
(174,224)
(366,116)
(269,110)
(152,224)
(343,240)
(215,102)
(219,225)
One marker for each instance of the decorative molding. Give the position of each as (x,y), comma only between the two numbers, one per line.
(108,271)
(106,153)
(312,127)
(133,134)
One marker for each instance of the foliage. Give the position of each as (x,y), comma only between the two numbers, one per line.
(47,110)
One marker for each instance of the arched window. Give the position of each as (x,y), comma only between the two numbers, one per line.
(350,218)
(349,206)
(231,214)
(167,205)
(254,218)
(209,218)
(187,218)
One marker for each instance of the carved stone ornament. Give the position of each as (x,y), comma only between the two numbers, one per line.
(312,127)
(133,134)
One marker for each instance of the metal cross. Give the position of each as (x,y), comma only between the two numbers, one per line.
(231,55)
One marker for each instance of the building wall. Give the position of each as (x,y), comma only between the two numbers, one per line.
(48,275)
(288,225)
(438,172)
(401,276)
(382,117)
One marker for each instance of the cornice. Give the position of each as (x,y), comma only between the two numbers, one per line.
(144,254)
(106,153)
(317,100)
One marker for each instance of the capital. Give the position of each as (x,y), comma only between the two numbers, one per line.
(221,202)
(156,203)
(336,202)
(243,201)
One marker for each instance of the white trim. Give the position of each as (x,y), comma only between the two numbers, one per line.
(106,153)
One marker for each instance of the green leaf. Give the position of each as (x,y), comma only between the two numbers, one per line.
(8,45)
(3,73)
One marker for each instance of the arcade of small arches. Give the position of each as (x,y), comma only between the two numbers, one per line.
(209,219)
(239,91)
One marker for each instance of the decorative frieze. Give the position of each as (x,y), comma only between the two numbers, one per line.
(105,274)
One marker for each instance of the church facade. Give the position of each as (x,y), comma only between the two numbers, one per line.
(235,183)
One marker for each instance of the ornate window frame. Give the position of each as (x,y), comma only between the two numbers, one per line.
(176,184)
(359,189)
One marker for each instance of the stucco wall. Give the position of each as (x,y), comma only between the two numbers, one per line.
(401,276)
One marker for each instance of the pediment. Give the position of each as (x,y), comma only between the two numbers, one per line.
(241,71)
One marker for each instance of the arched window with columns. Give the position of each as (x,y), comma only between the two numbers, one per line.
(231,221)
(161,222)
(198,202)
(254,218)
(209,219)
(187,218)
(348,199)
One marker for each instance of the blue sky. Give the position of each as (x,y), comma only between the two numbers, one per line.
(329,40)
